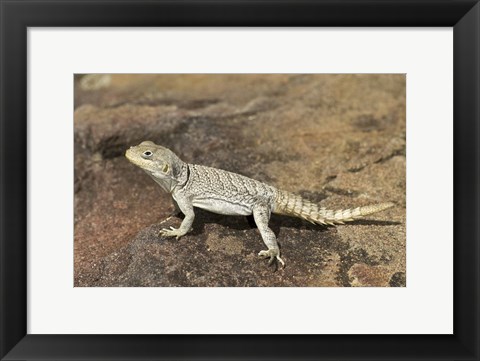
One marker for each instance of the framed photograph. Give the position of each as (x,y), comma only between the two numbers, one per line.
(239,180)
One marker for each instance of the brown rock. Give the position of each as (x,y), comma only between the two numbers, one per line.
(336,139)
(372,276)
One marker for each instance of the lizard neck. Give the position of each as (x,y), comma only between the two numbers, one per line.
(183,177)
(170,184)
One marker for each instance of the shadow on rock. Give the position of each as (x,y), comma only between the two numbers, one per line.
(222,251)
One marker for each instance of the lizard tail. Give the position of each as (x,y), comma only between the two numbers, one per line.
(294,205)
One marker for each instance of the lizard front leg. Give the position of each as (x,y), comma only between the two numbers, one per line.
(186,206)
(176,212)
(261,215)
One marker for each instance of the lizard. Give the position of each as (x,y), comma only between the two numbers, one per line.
(228,193)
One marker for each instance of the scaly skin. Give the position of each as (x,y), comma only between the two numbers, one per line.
(229,193)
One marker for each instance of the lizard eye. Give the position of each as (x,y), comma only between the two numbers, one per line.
(147,154)
(165,168)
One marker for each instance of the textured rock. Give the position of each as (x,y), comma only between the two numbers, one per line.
(365,275)
(336,139)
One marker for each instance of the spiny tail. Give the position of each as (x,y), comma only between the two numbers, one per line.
(294,205)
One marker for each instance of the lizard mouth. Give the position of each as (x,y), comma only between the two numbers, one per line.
(130,155)
(134,158)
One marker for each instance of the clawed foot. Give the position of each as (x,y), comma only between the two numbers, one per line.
(171,232)
(273,254)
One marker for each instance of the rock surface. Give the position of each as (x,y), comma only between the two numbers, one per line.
(336,139)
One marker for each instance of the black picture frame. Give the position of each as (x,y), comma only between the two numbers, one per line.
(17,15)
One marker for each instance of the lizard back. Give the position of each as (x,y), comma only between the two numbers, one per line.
(225,192)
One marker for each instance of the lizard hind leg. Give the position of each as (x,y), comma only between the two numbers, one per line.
(261,215)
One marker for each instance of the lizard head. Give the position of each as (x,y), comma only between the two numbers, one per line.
(159,162)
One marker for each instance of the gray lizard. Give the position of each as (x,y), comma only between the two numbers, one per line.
(228,193)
